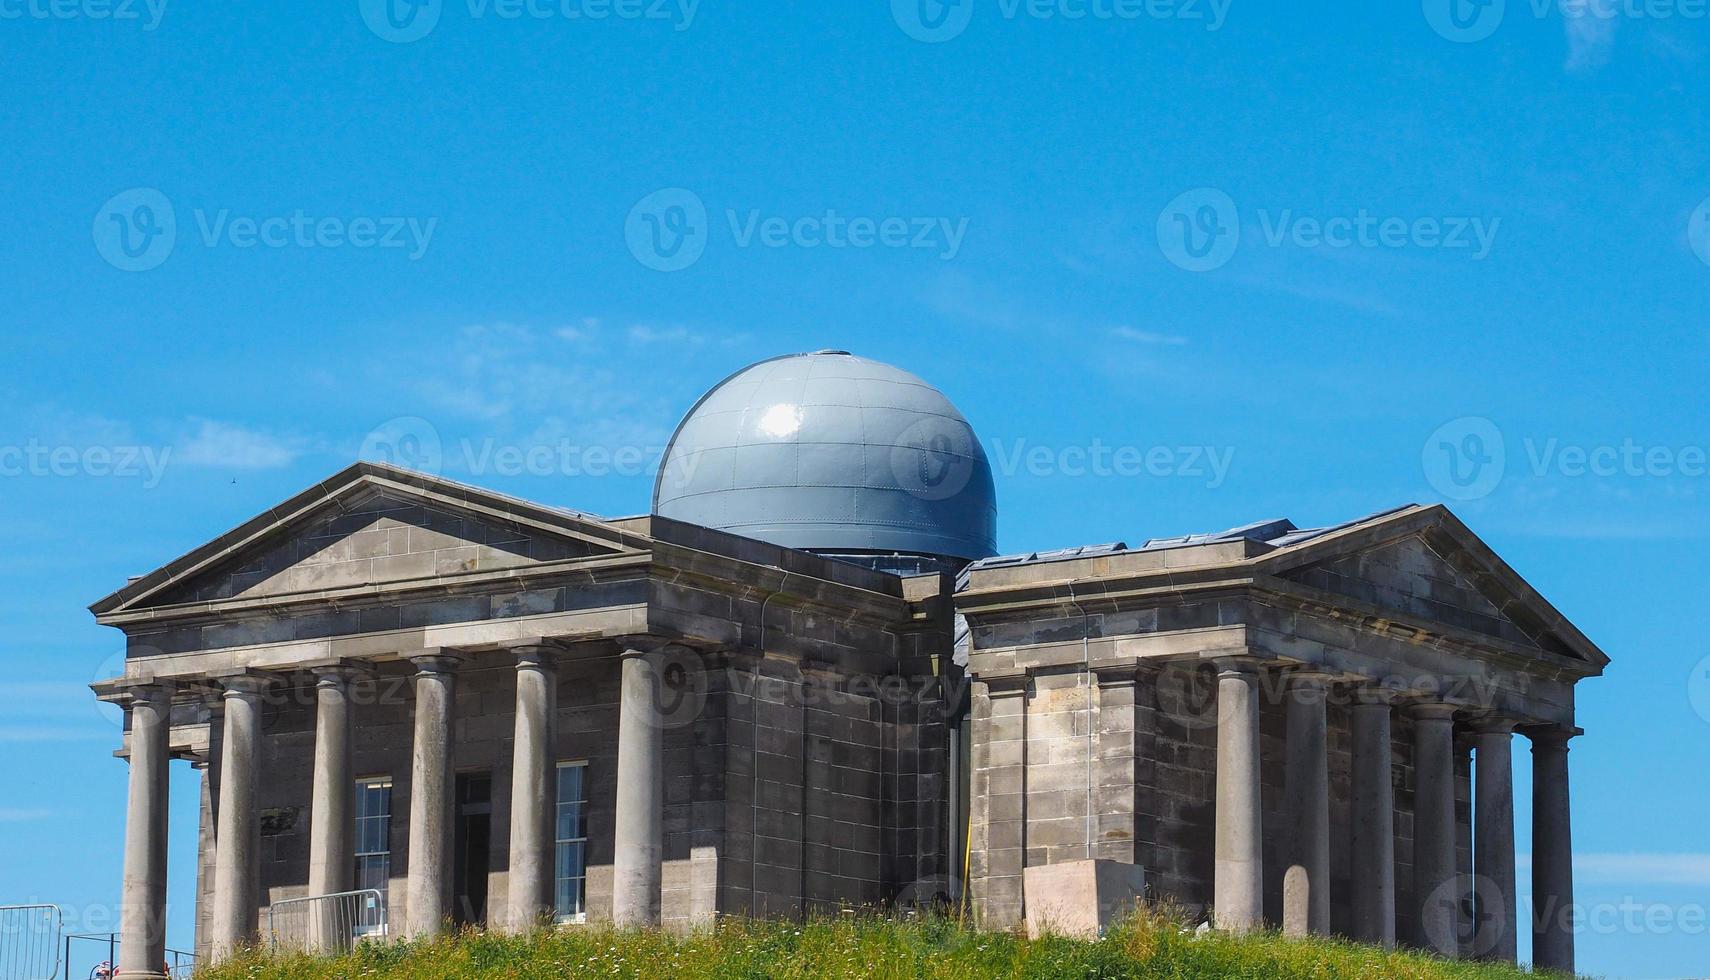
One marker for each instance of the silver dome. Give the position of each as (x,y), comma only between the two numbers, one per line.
(830,452)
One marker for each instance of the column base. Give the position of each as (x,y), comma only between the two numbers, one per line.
(1081,898)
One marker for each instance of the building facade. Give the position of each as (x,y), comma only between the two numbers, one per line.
(806,682)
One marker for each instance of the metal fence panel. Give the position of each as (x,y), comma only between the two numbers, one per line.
(29,941)
(327,923)
(79,956)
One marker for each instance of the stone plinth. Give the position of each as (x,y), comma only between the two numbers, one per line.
(1081,898)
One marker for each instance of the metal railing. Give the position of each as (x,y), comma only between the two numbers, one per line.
(327,923)
(179,963)
(29,941)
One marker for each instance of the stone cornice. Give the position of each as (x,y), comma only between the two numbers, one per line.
(732,576)
(1112,583)
(1307,600)
(569,571)
(1161,589)
(356,481)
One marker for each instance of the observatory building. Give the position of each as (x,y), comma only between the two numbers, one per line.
(807,681)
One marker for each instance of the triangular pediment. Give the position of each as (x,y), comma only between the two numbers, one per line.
(1426,567)
(367,528)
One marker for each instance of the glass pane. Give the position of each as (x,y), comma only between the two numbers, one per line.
(371,835)
(570,784)
(561,897)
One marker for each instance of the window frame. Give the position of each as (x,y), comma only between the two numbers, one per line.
(364,785)
(581,915)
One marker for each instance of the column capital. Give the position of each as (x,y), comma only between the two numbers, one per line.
(535,656)
(127,692)
(1123,674)
(1003,683)
(243,683)
(436,660)
(1308,680)
(641,644)
(340,672)
(1491,725)
(1550,736)
(1431,710)
(1239,666)
(1373,694)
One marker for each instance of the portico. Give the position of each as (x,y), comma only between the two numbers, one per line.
(1351,656)
(603,679)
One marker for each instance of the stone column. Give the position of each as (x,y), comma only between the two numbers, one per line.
(1372,812)
(638,858)
(142,912)
(431,783)
(1494,935)
(1237,900)
(1552,852)
(236,891)
(332,812)
(1116,832)
(1436,891)
(1306,878)
(533,791)
(204,852)
(209,848)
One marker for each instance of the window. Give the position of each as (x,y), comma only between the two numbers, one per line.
(570,879)
(374,836)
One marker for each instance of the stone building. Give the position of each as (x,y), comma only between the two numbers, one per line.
(805,682)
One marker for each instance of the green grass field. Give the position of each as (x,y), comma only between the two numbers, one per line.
(1151,945)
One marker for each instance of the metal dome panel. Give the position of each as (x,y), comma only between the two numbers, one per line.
(832,452)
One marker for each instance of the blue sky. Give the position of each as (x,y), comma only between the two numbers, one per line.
(1363,254)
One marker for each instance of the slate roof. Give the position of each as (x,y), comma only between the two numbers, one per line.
(1278,533)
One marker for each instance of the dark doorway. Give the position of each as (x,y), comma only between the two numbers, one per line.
(472,855)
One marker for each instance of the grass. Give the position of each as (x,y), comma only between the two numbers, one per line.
(1152,944)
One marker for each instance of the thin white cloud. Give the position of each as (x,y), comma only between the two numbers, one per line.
(1148,337)
(55,733)
(24,815)
(531,388)
(586,330)
(676,334)
(223,444)
(1590,27)
(190,442)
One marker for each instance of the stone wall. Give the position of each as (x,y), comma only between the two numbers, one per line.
(1149,786)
